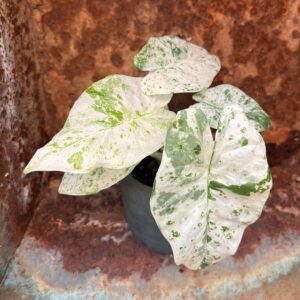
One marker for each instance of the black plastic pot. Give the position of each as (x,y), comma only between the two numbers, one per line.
(136,198)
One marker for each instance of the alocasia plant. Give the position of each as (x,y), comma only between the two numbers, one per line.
(207,190)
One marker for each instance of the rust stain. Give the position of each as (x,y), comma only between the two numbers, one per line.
(276,135)
(257,41)
(23,125)
(279,154)
(116,60)
(92,232)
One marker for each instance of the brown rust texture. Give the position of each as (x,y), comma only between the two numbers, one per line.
(21,125)
(80,41)
(92,232)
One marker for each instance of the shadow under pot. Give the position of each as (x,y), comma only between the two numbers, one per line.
(136,199)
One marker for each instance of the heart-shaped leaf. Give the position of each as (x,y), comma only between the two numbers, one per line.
(206,192)
(176,66)
(213,100)
(112,125)
(86,184)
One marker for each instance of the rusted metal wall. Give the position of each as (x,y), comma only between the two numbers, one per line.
(21,126)
(80,248)
(81,41)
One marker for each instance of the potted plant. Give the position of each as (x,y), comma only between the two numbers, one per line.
(207,188)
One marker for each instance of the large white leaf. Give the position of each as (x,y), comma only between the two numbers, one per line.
(86,184)
(176,66)
(206,192)
(112,125)
(213,100)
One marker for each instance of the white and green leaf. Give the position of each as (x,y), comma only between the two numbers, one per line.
(207,192)
(112,125)
(86,184)
(176,66)
(213,100)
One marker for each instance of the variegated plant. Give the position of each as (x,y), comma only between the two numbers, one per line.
(207,190)
(111,128)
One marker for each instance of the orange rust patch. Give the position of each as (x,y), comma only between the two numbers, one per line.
(276,136)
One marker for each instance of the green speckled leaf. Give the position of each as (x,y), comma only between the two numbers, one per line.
(213,100)
(175,66)
(112,125)
(206,192)
(86,184)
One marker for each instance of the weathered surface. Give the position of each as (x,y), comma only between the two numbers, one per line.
(21,126)
(79,42)
(257,41)
(81,248)
(91,232)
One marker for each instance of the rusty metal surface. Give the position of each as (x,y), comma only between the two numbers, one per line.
(80,41)
(80,248)
(21,126)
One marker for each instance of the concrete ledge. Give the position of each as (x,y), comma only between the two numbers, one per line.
(80,248)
